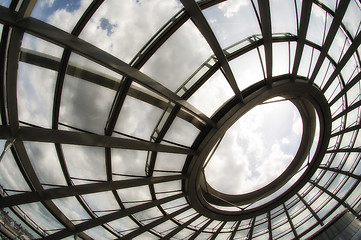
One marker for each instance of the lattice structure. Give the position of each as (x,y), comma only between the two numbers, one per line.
(109,115)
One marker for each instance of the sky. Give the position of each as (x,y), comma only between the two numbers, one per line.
(122,28)
(256,149)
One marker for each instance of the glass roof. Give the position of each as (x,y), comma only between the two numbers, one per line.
(110,110)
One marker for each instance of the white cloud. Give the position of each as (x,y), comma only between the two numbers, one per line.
(45,162)
(230,8)
(138,118)
(135,23)
(47,3)
(255,151)
(11,179)
(35,94)
(215,92)
(66,20)
(71,208)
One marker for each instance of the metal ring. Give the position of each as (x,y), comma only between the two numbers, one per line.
(308,99)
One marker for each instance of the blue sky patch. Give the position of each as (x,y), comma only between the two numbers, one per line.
(106,25)
(43,11)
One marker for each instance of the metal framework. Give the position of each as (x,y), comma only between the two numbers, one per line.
(180,204)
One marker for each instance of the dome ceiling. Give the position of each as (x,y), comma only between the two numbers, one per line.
(179,119)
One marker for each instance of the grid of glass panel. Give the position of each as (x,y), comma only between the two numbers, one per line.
(101,109)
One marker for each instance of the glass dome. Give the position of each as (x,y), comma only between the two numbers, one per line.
(111,110)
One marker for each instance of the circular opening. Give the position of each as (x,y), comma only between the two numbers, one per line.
(256,149)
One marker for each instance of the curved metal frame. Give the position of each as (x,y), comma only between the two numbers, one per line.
(17,20)
(201,195)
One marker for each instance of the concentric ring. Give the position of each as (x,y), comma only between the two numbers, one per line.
(309,100)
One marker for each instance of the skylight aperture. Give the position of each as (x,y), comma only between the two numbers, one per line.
(256,149)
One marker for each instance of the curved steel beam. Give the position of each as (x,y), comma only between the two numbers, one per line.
(266,28)
(302,32)
(87,139)
(83,189)
(110,217)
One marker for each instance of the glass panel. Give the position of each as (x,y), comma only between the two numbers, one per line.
(223,236)
(134,196)
(62,14)
(338,160)
(11,221)
(352,162)
(168,186)
(184,234)
(324,73)
(72,209)
(281,59)
(174,205)
(165,227)
(45,161)
(353,118)
(232,21)
(181,132)
(214,225)
(199,222)
(339,46)
(332,4)
(333,89)
(307,224)
(128,162)
(325,180)
(287,236)
(102,203)
(343,191)
(35,94)
(138,118)
(5,3)
(99,233)
(308,61)
(283,16)
(147,236)
(85,105)
(352,18)
(354,94)
(41,46)
(316,28)
(260,229)
(170,162)
(85,162)
(148,215)
(85,65)
(216,91)
(11,179)
(351,69)
(247,69)
(347,140)
(178,57)
(337,107)
(264,236)
(123,27)
(123,225)
(37,212)
(185,216)
(354,196)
